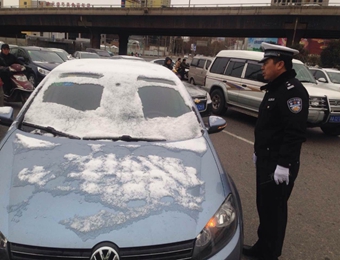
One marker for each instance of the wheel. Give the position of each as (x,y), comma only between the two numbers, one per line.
(31,78)
(192,81)
(331,130)
(218,102)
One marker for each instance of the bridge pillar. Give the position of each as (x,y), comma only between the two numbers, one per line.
(95,39)
(295,31)
(123,43)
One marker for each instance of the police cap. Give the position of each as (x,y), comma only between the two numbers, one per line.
(273,50)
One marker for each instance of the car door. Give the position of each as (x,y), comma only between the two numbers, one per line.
(233,78)
(250,95)
(199,72)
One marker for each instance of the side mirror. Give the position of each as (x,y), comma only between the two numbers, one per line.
(323,80)
(216,124)
(6,116)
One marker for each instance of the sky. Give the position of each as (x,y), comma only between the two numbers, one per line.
(173,2)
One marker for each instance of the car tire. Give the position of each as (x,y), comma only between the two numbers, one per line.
(31,78)
(192,81)
(331,130)
(218,102)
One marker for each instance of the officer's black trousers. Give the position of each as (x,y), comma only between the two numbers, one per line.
(271,200)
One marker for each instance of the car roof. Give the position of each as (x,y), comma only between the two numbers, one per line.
(34,48)
(244,54)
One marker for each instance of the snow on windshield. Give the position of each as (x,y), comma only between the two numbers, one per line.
(130,187)
(120,111)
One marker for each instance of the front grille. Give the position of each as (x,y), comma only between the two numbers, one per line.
(175,251)
(318,102)
(335,105)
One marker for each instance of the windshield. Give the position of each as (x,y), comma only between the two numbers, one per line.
(45,56)
(334,76)
(98,106)
(62,54)
(303,74)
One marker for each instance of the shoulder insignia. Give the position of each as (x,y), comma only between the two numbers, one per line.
(289,85)
(295,104)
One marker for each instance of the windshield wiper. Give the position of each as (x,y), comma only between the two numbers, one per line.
(126,138)
(51,130)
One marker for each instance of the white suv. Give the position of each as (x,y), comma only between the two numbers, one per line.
(235,77)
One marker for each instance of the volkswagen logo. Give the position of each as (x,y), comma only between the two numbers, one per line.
(105,253)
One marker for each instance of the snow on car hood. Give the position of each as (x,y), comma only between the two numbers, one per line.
(59,192)
(319,91)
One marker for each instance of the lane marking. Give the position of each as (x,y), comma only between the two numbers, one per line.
(238,137)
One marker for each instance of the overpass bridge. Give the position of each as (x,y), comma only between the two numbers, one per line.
(291,22)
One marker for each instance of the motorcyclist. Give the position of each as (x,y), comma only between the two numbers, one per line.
(6,60)
(182,68)
(168,63)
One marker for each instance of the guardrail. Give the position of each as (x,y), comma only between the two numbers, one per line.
(187,5)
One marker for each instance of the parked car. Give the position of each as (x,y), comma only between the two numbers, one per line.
(85,55)
(198,69)
(113,159)
(40,61)
(62,53)
(102,53)
(329,78)
(235,77)
(200,97)
(161,62)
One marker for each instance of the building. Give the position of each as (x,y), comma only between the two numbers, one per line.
(301,2)
(1,3)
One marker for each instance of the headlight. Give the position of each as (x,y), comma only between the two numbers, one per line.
(43,71)
(218,231)
(3,247)
(318,102)
(21,78)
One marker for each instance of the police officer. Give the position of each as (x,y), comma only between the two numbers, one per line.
(279,134)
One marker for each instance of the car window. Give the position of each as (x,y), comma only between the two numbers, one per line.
(194,62)
(45,56)
(235,68)
(200,63)
(303,73)
(254,72)
(334,76)
(161,62)
(319,74)
(219,65)
(23,54)
(88,55)
(207,64)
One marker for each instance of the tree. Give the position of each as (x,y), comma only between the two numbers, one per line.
(330,56)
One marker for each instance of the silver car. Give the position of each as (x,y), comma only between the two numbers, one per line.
(109,159)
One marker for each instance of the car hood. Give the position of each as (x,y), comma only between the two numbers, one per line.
(329,86)
(316,90)
(46,65)
(195,91)
(58,192)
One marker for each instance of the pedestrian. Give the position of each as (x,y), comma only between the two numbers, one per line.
(168,63)
(279,133)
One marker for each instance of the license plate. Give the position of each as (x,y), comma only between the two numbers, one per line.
(200,107)
(334,119)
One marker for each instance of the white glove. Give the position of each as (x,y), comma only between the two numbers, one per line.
(281,175)
(254,158)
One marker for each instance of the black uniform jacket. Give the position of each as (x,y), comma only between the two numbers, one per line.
(282,121)
(8,60)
